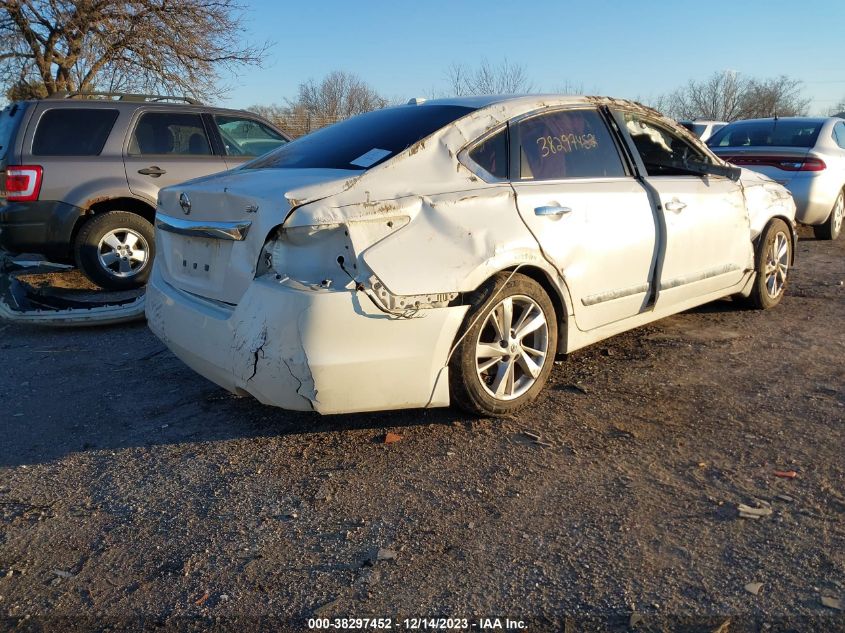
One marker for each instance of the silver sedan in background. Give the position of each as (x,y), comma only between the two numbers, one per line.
(806,155)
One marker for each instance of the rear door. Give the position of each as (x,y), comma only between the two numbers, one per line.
(708,239)
(166,147)
(592,218)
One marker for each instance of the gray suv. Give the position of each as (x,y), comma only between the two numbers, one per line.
(80,173)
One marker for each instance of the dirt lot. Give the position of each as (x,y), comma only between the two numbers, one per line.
(135,494)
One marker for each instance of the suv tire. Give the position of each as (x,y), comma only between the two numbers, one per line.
(115,250)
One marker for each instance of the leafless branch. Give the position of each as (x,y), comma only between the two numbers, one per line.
(141,45)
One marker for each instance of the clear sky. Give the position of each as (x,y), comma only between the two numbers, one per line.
(634,48)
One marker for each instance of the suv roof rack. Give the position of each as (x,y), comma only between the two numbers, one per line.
(121,96)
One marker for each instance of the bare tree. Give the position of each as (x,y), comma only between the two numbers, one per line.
(506,78)
(339,95)
(779,96)
(150,45)
(719,97)
(728,96)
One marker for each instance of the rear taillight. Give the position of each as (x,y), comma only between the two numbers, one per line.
(780,162)
(23,182)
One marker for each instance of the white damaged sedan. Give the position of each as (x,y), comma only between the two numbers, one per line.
(445,251)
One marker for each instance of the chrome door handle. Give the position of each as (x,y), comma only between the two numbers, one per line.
(554,211)
(675,205)
(155,171)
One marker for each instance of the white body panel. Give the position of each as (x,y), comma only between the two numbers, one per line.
(357,302)
(605,247)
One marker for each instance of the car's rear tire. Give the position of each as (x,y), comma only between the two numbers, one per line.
(832,227)
(115,250)
(507,346)
(772,262)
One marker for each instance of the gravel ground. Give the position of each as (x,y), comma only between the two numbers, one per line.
(135,494)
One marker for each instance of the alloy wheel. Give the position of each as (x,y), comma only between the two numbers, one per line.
(123,252)
(512,347)
(777,265)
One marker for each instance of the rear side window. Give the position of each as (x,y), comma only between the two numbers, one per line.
(492,154)
(839,134)
(73,131)
(364,140)
(567,144)
(768,133)
(174,133)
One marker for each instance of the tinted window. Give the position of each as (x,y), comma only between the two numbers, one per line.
(174,133)
(10,118)
(492,154)
(768,133)
(73,131)
(839,134)
(246,137)
(567,144)
(663,152)
(363,141)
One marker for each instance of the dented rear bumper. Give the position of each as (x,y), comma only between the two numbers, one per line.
(327,350)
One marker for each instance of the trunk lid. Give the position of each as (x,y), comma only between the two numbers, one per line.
(212,250)
(769,161)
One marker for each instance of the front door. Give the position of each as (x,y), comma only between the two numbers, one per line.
(592,219)
(708,238)
(165,148)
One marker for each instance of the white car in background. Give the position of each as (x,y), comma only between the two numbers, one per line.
(806,155)
(703,128)
(445,251)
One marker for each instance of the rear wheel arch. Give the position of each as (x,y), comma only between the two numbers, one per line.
(559,298)
(125,203)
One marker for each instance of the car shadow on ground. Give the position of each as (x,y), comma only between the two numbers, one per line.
(196,412)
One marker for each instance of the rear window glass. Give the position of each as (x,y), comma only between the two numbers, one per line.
(177,133)
(10,118)
(768,133)
(362,141)
(73,131)
(492,154)
(567,144)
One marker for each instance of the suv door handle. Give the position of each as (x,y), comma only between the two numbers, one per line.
(552,210)
(155,171)
(675,205)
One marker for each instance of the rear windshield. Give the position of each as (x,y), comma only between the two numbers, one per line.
(73,131)
(768,133)
(10,119)
(362,141)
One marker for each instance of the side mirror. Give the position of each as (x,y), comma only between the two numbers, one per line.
(728,171)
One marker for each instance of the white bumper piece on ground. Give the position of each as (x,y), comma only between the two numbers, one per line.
(328,350)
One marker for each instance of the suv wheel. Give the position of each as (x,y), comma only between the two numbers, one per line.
(115,250)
